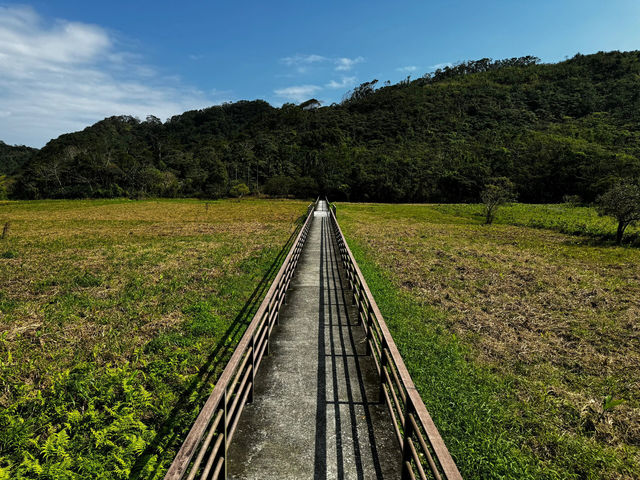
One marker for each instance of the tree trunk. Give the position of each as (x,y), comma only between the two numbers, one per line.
(489,216)
(621,228)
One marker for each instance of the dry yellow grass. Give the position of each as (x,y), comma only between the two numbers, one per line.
(146,294)
(560,317)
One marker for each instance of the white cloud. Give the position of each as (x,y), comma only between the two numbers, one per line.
(345,82)
(441,65)
(345,64)
(60,76)
(298,93)
(407,69)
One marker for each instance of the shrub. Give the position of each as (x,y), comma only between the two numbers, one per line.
(239,190)
(496,193)
(572,200)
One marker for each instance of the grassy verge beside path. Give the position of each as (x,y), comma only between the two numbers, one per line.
(116,318)
(524,343)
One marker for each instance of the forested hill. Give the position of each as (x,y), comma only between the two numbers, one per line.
(558,129)
(13,157)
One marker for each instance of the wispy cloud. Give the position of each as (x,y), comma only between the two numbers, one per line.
(195,56)
(298,93)
(441,65)
(407,69)
(345,82)
(345,64)
(302,62)
(300,59)
(61,76)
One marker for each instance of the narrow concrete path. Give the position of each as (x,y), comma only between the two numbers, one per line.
(315,413)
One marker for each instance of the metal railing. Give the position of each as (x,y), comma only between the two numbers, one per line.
(424,453)
(204,452)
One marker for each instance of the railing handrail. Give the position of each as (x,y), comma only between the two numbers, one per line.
(262,323)
(413,398)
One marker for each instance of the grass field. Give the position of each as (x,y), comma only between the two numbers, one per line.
(524,342)
(563,218)
(116,317)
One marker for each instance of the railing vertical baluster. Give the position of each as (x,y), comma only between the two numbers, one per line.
(224,433)
(406,449)
(383,365)
(253,368)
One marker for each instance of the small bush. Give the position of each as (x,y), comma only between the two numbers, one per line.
(495,194)
(572,200)
(239,190)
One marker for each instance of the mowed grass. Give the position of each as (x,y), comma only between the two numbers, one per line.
(116,318)
(524,342)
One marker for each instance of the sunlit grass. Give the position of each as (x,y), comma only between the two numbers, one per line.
(116,317)
(515,336)
(564,218)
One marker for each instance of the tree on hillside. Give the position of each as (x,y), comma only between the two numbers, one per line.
(495,194)
(622,202)
(4,187)
(360,92)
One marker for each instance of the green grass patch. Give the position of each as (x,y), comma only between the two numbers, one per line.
(115,321)
(564,218)
(517,339)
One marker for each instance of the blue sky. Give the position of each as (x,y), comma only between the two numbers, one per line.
(67,64)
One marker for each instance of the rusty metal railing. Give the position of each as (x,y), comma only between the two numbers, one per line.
(204,452)
(424,453)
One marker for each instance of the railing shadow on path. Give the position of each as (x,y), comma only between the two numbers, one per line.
(337,349)
(178,421)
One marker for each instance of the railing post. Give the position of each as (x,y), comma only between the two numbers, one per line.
(406,449)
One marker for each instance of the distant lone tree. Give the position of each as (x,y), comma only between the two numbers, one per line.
(495,194)
(310,104)
(239,190)
(621,202)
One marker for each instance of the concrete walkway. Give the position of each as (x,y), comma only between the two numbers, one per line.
(315,413)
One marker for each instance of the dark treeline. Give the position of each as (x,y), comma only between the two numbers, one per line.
(570,128)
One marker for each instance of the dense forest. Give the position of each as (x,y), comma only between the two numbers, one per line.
(570,128)
(11,160)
